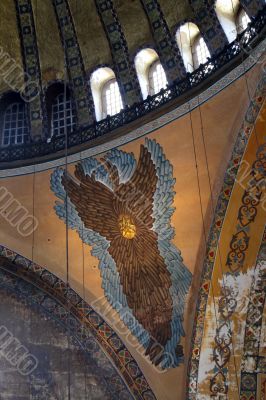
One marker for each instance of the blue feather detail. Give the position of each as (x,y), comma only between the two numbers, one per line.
(124,162)
(180,275)
(110,277)
(162,213)
(91,165)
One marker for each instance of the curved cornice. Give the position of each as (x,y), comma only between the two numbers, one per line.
(150,126)
(74,313)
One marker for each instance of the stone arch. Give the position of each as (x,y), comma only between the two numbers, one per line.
(43,289)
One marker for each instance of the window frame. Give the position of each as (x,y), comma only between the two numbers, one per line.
(118,99)
(19,122)
(241,13)
(152,83)
(59,130)
(195,57)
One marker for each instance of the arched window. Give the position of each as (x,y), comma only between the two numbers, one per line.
(226,12)
(242,20)
(105,92)
(143,61)
(62,115)
(15,129)
(111,98)
(157,78)
(185,37)
(232,17)
(200,52)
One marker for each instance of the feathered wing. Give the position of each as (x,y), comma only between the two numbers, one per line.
(143,273)
(110,277)
(180,275)
(146,282)
(173,280)
(93,202)
(137,193)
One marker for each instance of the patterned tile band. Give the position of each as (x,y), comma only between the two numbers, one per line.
(124,69)
(80,88)
(31,61)
(252,6)
(167,48)
(215,231)
(61,300)
(251,361)
(209,26)
(239,246)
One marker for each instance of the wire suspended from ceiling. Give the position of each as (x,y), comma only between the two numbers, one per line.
(67,220)
(204,228)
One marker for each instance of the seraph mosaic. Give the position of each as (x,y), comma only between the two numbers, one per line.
(123,209)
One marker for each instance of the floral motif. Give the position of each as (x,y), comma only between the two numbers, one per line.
(229,180)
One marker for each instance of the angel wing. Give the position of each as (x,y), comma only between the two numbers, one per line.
(93,202)
(144,279)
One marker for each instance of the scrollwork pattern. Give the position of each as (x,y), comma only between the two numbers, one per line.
(251,364)
(227,305)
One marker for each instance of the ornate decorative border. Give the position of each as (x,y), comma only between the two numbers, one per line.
(251,361)
(167,48)
(126,74)
(30,56)
(215,231)
(235,260)
(67,304)
(78,82)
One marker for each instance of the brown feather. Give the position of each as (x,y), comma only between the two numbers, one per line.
(144,276)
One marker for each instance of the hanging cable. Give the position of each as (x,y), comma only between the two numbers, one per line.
(243,64)
(83,291)
(248,92)
(204,229)
(33,207)
(201,203)
(84,299)
(198,184)
(66,208)
(218,246)
(213,211)
(218,243)
(213,204)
